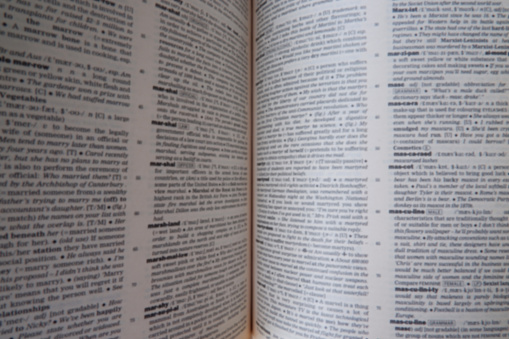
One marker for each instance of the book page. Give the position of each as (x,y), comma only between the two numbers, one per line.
(124,169)
(381,169)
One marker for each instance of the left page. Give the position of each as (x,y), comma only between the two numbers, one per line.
(124,181)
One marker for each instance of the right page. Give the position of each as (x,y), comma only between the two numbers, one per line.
(381,169)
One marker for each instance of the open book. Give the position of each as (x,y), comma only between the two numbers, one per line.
(274,169)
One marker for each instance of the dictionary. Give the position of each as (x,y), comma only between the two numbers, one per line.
(254,169)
